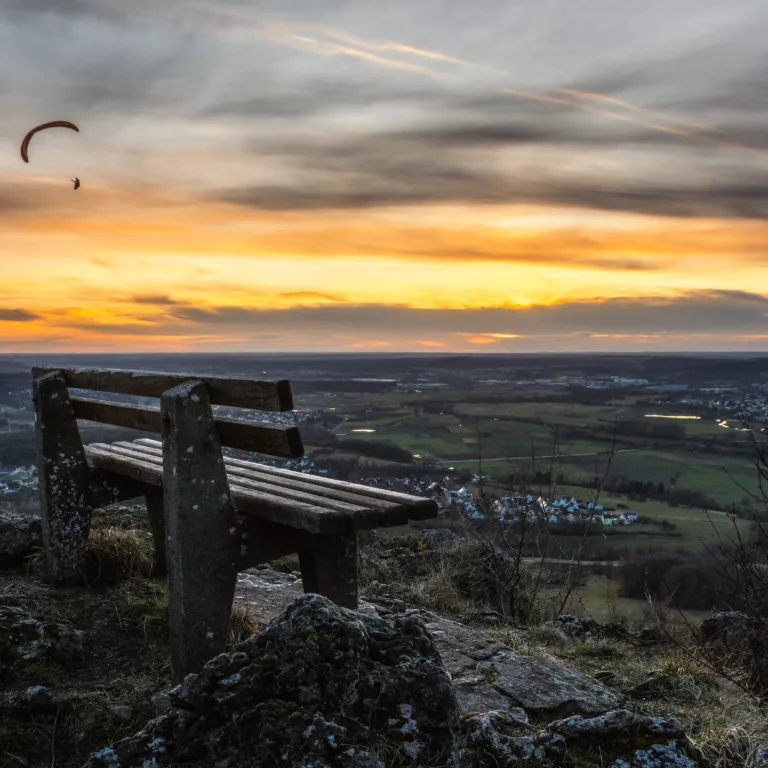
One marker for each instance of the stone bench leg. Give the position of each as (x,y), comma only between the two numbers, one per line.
(329,567)
(64,481)
(156,513)
(200,527)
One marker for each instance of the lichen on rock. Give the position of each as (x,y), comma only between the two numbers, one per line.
(318,681)
(20,536)
(322,686)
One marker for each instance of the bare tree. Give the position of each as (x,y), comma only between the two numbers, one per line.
(515,555)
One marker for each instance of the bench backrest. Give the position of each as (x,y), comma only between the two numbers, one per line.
(248,435)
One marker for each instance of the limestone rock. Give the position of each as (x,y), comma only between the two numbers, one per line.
(24,639)
(486,674)
(322,686)
(20,536)
(727,627)
(316,682)
(576,626)
(657,756)
(624,722)
(482,668)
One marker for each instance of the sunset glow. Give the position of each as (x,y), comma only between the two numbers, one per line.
(423,199)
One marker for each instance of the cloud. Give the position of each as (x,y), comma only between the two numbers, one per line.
(458,161)
(311,296)
(151,81)
(694,319)
(410,181)
(691,312)
(17,315)
(159,300)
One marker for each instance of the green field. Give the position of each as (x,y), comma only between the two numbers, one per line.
(599,597)
(694,525)
(461,428)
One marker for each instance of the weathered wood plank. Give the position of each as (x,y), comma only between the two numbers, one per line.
(258,437)
(368,512)
(102,456)
(223,390)
(418,508)
(308,517)
(329,568)
(64,481)
(201,526)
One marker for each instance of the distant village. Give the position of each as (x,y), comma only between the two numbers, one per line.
(453,498)
(19,480)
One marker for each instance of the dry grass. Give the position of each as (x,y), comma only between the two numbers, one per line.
(112,555)
(438,592)
(286,564)
(241,625)
(723,721)
(115,554)
(126,661)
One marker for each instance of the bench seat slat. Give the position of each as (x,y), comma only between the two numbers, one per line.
(308,517)
(419,508)
(385,513)
(264,438)
(242,479)
(235,392)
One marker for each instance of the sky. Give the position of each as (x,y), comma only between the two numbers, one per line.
(363,175)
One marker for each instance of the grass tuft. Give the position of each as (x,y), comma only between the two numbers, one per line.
(241,625)
(112,555)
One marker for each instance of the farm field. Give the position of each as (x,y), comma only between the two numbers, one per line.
(694,526)
(498,433)
(600,598)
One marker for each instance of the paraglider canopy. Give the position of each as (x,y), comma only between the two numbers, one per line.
(54,124)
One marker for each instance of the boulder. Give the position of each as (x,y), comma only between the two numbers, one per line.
(486,674)
(317,682)
(20,536)
(576,626)
(657,756)
(24,638)
(727,627)
(322,686)
(621,722)
(624,739)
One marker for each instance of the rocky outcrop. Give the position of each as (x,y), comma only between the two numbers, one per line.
(20,536)
(619,739)
(576,626)
(24,639)
(323,686)
(486,674)
(727,628)
(736,639)
(317,682)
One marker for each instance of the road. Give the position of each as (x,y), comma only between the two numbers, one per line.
(549,456)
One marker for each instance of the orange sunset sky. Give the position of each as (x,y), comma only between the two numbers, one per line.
(371,176)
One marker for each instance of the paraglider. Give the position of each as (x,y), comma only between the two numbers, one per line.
(54,124)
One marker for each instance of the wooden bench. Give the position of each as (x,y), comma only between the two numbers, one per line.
(211,516)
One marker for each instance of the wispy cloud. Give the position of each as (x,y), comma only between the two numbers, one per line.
(693,314)
(17,316)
